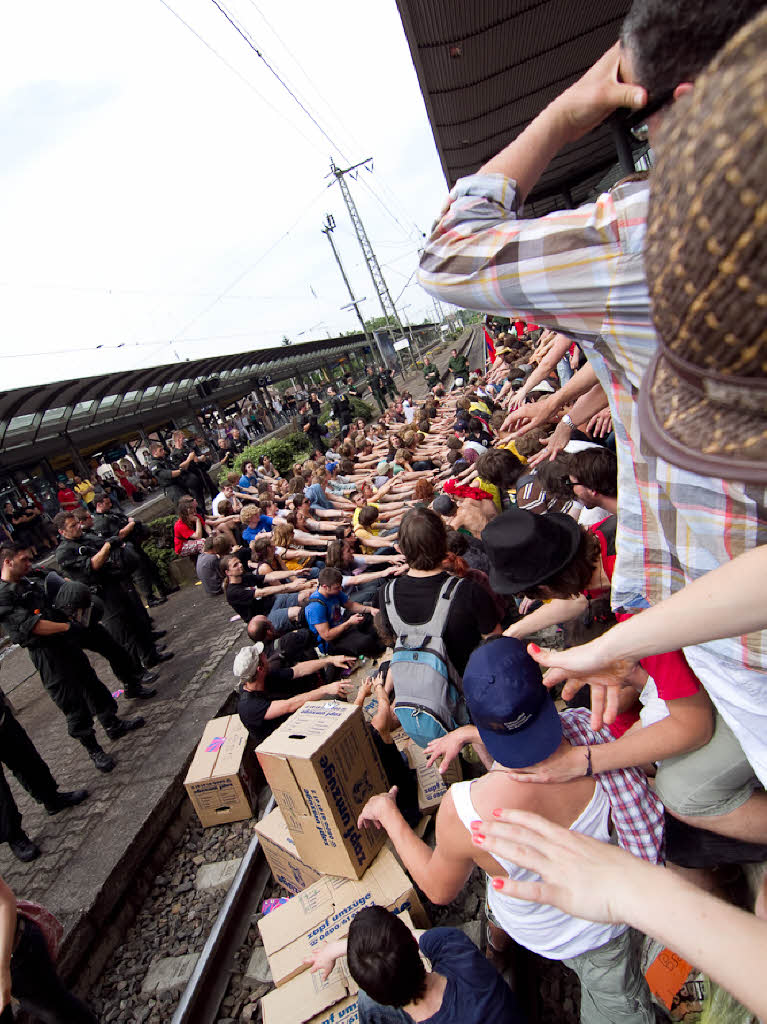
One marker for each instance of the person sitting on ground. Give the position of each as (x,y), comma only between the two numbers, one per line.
(190,529)
(291,554)
(208,566)
(324,614)
(247,595)
(517,723)
(366,530)
(472,615)
(497,472)
(385,960)
(249,480)
(226,494)
(254,521)
(266,469)
(269,695)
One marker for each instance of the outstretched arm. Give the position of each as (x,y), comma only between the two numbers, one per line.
(601,882)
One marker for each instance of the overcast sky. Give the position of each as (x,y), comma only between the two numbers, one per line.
(152,199)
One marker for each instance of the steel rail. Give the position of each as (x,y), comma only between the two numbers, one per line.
(200,1002)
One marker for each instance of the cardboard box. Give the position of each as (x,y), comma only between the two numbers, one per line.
(325,910)
(322,767)
(222,781)
(280,851)
(431,785)
(307,999)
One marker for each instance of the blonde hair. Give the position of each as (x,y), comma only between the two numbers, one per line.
(282,533)
(248,512)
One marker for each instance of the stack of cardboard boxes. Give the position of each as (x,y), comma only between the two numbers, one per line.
(322,767)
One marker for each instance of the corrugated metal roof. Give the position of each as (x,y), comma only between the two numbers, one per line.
(488,67)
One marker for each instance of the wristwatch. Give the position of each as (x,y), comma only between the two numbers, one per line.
(567,418)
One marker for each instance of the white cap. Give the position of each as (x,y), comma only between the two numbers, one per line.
(246,661)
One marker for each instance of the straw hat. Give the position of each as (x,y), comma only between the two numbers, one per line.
(703,401)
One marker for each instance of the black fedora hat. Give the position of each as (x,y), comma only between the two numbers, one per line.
(526,549)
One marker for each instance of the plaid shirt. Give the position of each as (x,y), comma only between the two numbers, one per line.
(581,272)
(636,811)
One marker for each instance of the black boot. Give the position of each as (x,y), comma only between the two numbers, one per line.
(148,678)
(156,658)
(23,848)
(120,726)
(60,801)
(140,693)
(100,758)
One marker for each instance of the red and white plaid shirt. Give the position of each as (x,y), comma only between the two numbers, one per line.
(636,811)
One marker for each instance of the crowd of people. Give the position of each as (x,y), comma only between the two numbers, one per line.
(600,486)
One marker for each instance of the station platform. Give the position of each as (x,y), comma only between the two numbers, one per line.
(91,852)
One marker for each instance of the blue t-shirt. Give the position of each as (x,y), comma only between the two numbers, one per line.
(246,482)
(263,525)
(316,496)
(327,609)
(475,992)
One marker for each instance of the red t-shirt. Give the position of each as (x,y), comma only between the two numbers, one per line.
(182,533)
(673,676)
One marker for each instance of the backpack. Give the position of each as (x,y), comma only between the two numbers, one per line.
(428,696)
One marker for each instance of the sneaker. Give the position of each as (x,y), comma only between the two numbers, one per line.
(140,693)
(123,725)
(148,678)
(102,760)
(154,601)
(60,801)
(23,848)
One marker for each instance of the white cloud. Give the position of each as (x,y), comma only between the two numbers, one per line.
(142,178)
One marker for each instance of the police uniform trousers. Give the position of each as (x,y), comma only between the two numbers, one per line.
(146,576)
(121,661)
(74,687)
(126,620)
(19,754)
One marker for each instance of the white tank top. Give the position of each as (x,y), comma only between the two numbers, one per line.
(539,927)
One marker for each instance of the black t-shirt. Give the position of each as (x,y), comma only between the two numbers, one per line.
(252,708)
(240,597)
(254,704)
(472,612)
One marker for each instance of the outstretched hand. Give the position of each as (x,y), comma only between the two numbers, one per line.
(580,875)
(581,665)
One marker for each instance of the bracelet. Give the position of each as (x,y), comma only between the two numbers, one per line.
(589,768)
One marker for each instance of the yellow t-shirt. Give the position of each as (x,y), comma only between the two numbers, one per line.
(85,490)
(356,518)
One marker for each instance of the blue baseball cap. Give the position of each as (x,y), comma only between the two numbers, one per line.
(515,715)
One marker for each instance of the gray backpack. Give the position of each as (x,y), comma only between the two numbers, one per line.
(428,697)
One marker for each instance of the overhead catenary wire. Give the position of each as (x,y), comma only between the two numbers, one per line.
(248,39)
(241,77)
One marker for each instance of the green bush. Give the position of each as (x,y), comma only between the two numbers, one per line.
(283,451)
(159,547)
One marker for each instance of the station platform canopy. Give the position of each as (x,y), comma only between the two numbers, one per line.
(487,67)
(52,416)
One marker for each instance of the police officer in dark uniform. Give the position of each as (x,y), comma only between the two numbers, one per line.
(309,425)
(340,409)
(387,382)
(193,468)
(109,522)
(31,620)
(374,380)
(106,566)
(18,752)
(169,475)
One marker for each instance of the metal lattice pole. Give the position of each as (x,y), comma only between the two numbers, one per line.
(382,290)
